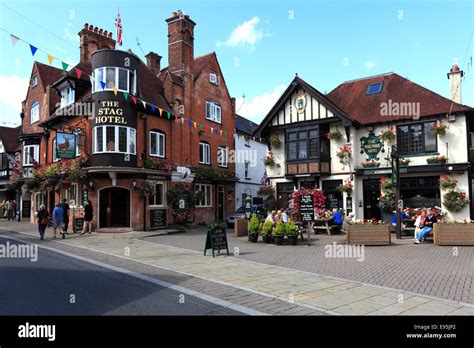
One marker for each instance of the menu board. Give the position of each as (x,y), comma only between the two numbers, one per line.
(306,208)
(216,239)
(26,209)
(78,225)
(157,218)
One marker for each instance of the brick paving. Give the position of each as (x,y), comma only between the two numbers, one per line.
(425,269)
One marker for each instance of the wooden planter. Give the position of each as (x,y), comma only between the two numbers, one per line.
(241,227)
(368,234)
(453,234)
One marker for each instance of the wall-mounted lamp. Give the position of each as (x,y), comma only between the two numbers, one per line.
(134,184)
(91,184)
(450,168)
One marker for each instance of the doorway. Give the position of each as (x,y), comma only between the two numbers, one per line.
(220,203)
(371,189)
(114,207)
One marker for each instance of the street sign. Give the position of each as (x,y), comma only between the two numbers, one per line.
(216,239)
(248,207)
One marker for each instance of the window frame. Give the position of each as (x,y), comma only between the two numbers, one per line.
(225,163)
(34,81)
(163,193)
(35,105)
(69,98)
(26,159)
(407,149)
(217,79)
(130,140)
(207,146)
(297,141)
(131,85)
(211,112)
(207,199)
(159,135)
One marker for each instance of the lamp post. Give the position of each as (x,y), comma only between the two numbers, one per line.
(396,185)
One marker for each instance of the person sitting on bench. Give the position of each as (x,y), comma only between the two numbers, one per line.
(336,220)
(427,227)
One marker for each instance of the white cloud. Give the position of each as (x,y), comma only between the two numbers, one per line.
(257,107)
(12,92)
(68,34)
(246,34)
(369,64)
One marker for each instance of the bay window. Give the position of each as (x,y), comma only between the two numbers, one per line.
(113,77)
(303,144)
(157,144)
(416,138)
(114,139)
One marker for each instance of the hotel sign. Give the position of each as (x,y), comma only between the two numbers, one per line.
(372,145)
(110,112)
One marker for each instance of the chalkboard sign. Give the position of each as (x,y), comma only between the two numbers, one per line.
(216,239)
(78,225)
(26,209)
(334,203)
(306,208)
(157,218)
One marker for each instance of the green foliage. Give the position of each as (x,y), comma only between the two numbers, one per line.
(254,225)
(267,228)
(279,229)
(291,229)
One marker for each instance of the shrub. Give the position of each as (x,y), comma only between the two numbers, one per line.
(291,229)
(267,228)
(254,225)
(279,229)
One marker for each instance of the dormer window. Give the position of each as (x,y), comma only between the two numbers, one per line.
(113,77)
(34,81)
(67,96)
(374,88)
(214,78)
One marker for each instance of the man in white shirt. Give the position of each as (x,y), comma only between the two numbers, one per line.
(271,217)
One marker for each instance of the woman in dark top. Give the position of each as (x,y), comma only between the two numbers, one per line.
(42,220)
(88,215)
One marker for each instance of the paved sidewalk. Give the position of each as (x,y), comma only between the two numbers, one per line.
(313,291)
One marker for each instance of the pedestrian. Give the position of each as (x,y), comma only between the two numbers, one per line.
(58,217)
(14,206)
(65,207)
(88,215)
(42,220)
(427,226)
(9,209)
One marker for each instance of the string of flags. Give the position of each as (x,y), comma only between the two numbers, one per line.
(134,99)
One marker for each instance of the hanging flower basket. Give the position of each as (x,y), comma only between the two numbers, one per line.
(371,164)
(269,161)
(446,183)
(386,184)
(266,191)
(436,160)
(344,154)
(145,188)
(405,161)
(387,202)
(334,135)
(439,128)
(455,201)
(275,142)
(389,135)
(347,187)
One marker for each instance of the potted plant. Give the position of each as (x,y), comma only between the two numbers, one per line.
(446,182)
(267,230)
(253,228)
(388,135)
(439,128)
(291,232)
(266,191)
(344,154)
(279,233)
(455,201)
(334,135)
(436,160)
(275,141)
(405,161)
(371,164)
(269,161)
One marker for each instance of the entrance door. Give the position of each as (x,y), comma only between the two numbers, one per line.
(371,194)
(220,203)
(114,207)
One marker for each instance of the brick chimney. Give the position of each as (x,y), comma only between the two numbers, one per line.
(180,44)
(454,77)
(93,39)
(153,61)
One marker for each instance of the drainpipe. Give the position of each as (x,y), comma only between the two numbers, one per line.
(145,148)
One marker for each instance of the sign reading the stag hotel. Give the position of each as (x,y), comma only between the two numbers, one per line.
(110,112)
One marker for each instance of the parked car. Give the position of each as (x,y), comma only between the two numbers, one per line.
(240,214)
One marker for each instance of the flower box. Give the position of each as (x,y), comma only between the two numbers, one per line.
(453,234)
(368,234)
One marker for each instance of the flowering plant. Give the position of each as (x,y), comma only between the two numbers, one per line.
(446,182)
(372,221)
(275,141)
(405,161)
(385,184)
(159,164)
(145,187)
(347,187)
(183,215)
(436,159)
(388,135)
(439,128)
(387,201)
(334,135)
(371,164)
(455,201)
(319,200)
(266,191)
(269,161)
(344,153)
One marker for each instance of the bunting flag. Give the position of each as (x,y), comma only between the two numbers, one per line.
(102,84)
(169,115)
(50,59)
(78,73)
(152,107)
(221,132)
(14,39)
(195,125)
(212,130)
(65,65)
(200,126)
(125,95)
(175,116)
(160,110)
(115,90)
(134,99)
(92,80)
(182,121)
(144,104)
(33,49)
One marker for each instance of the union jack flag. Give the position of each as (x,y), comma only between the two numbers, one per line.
(14,164)
(118,24)
(36,165)
(264,180)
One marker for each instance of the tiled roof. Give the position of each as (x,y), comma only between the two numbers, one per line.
(201,62)
(9,136)
(352,97)
(48,74)
(243,125)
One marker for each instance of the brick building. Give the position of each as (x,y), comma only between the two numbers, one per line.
(147,145)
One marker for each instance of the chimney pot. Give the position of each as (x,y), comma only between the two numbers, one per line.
(100,31)
(96,30)
(91,27)
(173,14)
(110,35)
(86,26)
(105,33)
(455,78)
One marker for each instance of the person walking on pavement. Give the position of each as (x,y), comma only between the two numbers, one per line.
(58,217)
(65,207)
(88,215)
(9,209)
(42,220)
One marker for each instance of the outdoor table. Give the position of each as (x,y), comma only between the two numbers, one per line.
(322,224)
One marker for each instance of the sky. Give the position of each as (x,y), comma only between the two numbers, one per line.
(260,44)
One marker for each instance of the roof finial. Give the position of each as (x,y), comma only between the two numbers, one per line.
(296,74)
